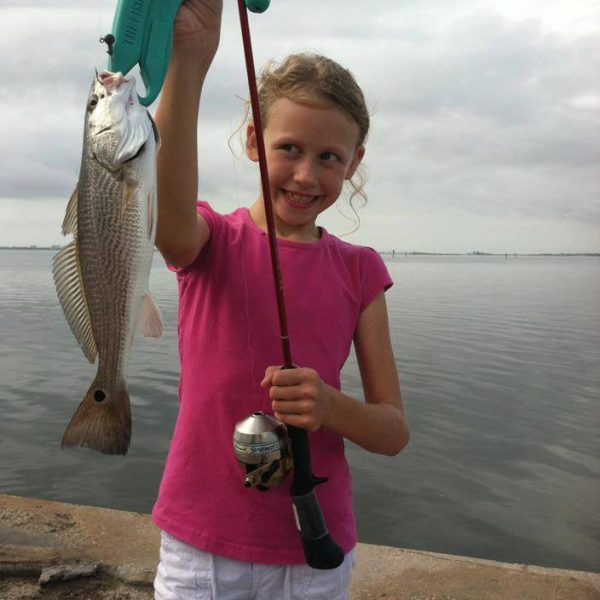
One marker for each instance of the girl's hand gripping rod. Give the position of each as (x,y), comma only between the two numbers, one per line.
(320,550)
(142,34)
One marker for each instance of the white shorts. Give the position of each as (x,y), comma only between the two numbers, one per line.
(186,573)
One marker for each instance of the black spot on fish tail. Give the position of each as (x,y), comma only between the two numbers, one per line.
(102,422)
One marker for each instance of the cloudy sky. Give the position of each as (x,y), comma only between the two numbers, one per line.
(485,130)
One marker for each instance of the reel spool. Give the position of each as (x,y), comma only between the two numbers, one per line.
(262,446)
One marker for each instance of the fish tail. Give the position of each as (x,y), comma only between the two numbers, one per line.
(101,422)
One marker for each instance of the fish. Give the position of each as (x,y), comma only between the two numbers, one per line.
(102,275)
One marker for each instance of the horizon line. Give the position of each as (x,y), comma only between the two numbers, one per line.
(392,252)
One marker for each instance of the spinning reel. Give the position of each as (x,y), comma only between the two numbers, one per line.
(262,445)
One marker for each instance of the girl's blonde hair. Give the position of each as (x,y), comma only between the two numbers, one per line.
(311,78)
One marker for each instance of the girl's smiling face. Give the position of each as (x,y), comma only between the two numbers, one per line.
(311,150)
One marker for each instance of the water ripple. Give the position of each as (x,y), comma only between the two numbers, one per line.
(499,363)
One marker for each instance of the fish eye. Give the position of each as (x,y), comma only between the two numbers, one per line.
(92,103)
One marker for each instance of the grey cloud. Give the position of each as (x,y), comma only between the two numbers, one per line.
(482,118)
(490,67)
(475,116)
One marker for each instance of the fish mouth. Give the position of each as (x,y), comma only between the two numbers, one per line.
(111,81)
(117,84)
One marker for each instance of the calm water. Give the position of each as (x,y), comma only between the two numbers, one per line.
(500,368)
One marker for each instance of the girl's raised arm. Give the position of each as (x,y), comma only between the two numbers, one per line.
(181,233)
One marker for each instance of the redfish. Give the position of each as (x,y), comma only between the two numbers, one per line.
(102,275)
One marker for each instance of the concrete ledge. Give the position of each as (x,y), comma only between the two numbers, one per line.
(37,534)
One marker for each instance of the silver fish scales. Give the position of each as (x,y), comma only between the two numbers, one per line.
(102,276)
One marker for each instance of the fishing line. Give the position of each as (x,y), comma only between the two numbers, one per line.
(249,334)
(99,15)
(266,191)
(102,16)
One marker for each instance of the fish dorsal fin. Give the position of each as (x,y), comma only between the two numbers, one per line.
(69,225)
(149,322)
(66,270)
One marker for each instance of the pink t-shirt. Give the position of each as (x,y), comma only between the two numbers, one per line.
(228,335)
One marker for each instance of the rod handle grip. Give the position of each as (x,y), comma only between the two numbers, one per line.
(320,549)
(323,553)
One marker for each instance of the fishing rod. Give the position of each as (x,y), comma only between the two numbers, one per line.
(320,550)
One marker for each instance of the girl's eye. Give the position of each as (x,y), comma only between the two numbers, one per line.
(330,157)
(289,147)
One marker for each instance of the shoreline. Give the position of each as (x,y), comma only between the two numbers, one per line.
(112,554)
(392,252)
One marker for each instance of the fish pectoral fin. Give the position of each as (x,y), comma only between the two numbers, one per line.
(68,279)
(69,225)
(149,322)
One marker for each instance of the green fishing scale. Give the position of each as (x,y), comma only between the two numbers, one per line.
(142,34)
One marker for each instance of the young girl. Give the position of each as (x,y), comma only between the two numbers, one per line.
(219,539)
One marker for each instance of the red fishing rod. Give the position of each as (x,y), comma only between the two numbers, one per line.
(320,550)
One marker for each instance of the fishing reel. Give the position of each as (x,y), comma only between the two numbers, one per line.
(262,446)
